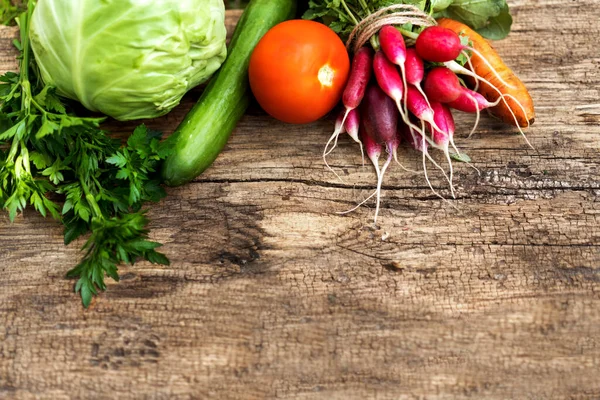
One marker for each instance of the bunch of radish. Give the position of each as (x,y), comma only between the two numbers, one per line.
(397,93)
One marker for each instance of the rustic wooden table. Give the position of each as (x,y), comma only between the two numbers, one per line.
(272,295)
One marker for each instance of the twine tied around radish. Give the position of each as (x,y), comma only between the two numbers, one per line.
(397,15)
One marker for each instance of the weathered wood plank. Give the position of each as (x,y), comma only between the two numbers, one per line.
(272,295)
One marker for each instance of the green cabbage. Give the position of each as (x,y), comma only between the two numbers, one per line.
(128,59)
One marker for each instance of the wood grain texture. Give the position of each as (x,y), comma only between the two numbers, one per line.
(271,294)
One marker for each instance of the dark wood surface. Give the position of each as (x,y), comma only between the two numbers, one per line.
(271,294)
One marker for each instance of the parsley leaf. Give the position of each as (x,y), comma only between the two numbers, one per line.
(49,154)
(113,241)
(9,11)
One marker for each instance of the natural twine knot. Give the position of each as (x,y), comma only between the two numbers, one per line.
(398,14)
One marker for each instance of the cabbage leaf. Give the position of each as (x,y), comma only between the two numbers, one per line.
(128,59)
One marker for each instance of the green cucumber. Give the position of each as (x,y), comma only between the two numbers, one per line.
(206,128)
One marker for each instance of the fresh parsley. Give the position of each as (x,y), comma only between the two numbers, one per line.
(9,11)
(67,167)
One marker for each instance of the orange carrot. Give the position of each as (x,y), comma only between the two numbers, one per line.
(515,88)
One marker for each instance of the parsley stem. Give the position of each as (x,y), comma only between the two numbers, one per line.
(24,67)
(13,150)
(89,197)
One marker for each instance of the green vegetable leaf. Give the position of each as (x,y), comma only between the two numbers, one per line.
(113,241)
(440,5)
(117,159)
(462,157)
(74,229)
(9,11)
(48,127)
(464,56)
(54,172)
(183,42)
(498,27)
(40,160)
(48,98)
(475,13)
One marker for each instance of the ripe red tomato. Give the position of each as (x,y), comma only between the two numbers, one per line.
(298,71)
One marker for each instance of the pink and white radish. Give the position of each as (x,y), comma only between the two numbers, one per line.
(360,75)
(393,46)
(442,85)
(444,136)
(379,116)
(439,44)
(389,80)
(415,70)
(419,106)
(458,69)
(352,127)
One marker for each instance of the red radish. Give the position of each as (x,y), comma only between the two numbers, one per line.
(387,76)
(419,106)
(379,118)
(352,128)
(437,44)
(389,80)
(360,75)
(442,85)
(445,120)
(372,148)
(443,136)
(339,123)
(393,46)
(458,69)
(415,68)
(470,101)
(400,135)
